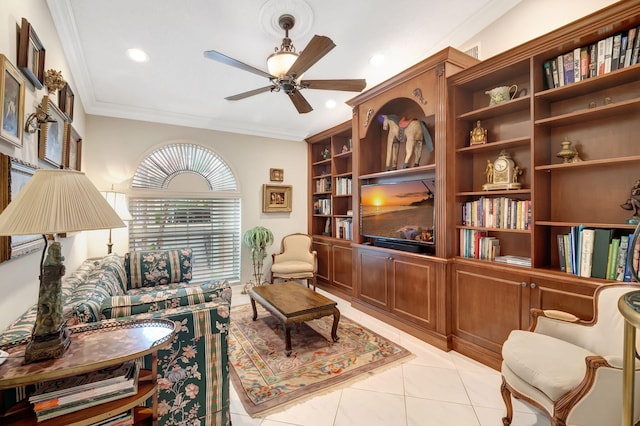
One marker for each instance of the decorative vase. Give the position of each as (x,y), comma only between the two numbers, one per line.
(567,151)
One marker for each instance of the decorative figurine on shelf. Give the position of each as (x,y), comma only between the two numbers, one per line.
(478,135)
(633,203)
(345,149)
(413,131)
(326,154)
(568,153)
(502,173)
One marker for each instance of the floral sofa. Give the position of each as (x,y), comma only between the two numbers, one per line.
(193,371)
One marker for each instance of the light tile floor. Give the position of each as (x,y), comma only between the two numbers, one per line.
(434,388)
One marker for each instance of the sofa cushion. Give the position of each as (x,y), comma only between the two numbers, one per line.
(551,365)
(105,281)
(161,299)
(151,268)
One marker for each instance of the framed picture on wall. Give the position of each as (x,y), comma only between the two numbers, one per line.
(31,55)
(276,175)
(276,198)
(72,148)
(14,175)
(51,144)
(11,103)
(66,99)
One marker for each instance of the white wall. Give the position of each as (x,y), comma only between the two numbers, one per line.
(19,277)
(114,148)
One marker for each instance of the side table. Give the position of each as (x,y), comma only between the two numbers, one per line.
(93,346)
(629,307)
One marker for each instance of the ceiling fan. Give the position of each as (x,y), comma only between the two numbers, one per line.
(286,67)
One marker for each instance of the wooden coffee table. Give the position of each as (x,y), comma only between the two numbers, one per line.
(292,303)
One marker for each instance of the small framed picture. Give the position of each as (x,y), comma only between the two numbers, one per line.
(276,198)
(14,175)
(276,175)
(65,101)
(31,55)
(11,103)
(51,144)
(72,148)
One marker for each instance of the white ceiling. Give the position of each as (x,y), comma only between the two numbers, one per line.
(178,85)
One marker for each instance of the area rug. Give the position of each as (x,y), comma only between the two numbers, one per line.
(266,380)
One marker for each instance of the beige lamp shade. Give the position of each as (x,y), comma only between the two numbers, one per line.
(118,201)
(55,201)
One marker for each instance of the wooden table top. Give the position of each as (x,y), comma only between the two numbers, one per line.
(291,298)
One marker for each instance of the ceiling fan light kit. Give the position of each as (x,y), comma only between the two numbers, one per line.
(286,67)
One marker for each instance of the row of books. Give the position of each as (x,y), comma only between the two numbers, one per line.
(609,54)
(58,397)
(322,206)
(497,212)
(597,253)
(476,244)
(323,184)
(344,228)
(343,186)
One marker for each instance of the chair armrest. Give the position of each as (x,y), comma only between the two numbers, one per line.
(315,261)
(561,325)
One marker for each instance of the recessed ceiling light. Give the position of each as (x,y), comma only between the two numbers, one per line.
(377,59)
(330,104)
(137,55)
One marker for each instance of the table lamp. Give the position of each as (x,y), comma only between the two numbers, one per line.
(118,202)
(53,202)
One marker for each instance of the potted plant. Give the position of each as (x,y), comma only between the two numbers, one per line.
(258,239)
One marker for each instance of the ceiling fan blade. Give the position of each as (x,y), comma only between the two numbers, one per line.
(217,56)
(249,93)
(355,85)
(300,102)
(312,53)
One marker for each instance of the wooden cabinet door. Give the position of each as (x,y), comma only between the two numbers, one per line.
(487,304)
(342,263)
(564,295)
(322,248)
(414,290)
(373,278)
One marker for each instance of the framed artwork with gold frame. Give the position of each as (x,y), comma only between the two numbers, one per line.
(276,175)
(72,148)
(51,145)
(31,55)
(276,198)
(14,175)
(11,103)
(66,99)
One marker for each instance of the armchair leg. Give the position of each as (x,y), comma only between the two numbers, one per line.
(506,396)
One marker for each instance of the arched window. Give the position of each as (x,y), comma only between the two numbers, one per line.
(185,195)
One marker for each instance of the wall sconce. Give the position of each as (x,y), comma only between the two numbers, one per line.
(36,119)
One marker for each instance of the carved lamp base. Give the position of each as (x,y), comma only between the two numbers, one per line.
(47,346)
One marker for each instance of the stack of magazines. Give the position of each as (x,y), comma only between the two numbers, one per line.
(124,419)
(63,396)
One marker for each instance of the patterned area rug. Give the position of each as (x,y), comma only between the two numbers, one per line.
(266,380)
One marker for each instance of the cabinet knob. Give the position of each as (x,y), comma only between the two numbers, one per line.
(533,285)
(523,284)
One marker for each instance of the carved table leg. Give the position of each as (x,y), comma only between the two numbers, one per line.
(334,329)
(287,348)
(255,311)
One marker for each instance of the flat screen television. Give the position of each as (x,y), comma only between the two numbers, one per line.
(401,213)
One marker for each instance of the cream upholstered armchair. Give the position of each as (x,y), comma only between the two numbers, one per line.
(297,260)
(569,368)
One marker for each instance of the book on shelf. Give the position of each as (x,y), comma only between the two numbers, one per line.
(554,73)
(514,260)
(567,253)
(561,254)
(623,51)
(633,254)
(69,399)
(593,59)
(548,74)
(577,71)
(600,60)
(615,51)
(608,52)
(631,39)
(569,74)
(584,62)
(560,61)
(612,259)
(586,251)
(621,258)
(116,374)
(601,241)
(636,47)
